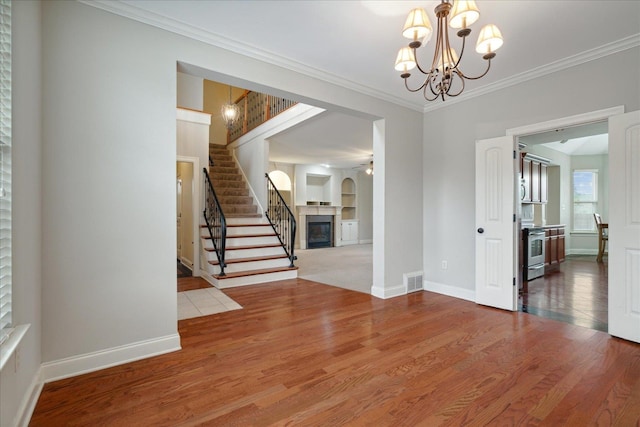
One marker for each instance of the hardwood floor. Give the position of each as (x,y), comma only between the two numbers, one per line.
(306,354)
(576,293)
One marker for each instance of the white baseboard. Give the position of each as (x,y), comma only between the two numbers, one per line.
(23,417)
(77,365)
(386,293)
(593,252)
(451,291)
(365,241)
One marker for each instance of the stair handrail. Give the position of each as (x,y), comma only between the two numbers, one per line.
(216,221)
(281,219)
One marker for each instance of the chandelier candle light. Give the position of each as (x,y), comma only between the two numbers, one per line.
(445,77)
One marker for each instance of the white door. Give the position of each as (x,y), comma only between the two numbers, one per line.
(495,226)
(624,226)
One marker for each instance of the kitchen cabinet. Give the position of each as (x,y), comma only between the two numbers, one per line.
(349,231)
(554,246)
(533,179)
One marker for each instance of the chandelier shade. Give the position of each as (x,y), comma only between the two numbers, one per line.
(489,40)
(406,60)
(444,77)
(417,25)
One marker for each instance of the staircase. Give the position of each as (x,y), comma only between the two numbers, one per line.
(254,253)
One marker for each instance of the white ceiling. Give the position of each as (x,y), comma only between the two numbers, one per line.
(354,43)
(589,139)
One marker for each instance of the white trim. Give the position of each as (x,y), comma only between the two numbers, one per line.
(577,120)
(9,346)
(89,362)
(365,242)
(30,400)
(193,116)
(583,252)
(386,293)
(451,291)
(177,27)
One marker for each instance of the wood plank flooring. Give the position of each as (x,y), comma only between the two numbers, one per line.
(576,293)
(305,354)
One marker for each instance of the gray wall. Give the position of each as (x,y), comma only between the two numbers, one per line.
(449,149)
(108,178)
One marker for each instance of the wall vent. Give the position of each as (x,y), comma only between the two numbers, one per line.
(412,281)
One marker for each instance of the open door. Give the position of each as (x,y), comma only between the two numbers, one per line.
(495,226)
(624,226)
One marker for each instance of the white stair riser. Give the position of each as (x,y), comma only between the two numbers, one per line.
(246,253)
(251,241)
(252,253)
(258,278)
(256,265)
(244,241)
(246,221)
(240,231)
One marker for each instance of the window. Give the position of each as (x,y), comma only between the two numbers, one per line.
(5,169)
(585,199)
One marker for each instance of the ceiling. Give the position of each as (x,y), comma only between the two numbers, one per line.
(354,43)
(584,140)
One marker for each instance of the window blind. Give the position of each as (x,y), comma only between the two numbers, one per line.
(5,169)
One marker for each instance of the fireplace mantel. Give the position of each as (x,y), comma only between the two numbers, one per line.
(304,210)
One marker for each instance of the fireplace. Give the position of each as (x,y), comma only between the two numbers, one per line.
(319,231)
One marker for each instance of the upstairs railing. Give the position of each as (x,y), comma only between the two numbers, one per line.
(215,220)
(281,218)
(255,109)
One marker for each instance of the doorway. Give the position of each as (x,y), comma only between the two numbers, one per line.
(573,288)
(187,220)
(576,292)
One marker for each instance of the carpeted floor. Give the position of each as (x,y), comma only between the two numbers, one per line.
(349,267)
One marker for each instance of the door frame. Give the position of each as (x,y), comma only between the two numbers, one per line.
(570,121)
(196,202)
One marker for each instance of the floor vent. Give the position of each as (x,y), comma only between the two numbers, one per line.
(412,281)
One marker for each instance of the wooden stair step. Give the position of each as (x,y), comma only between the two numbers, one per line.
(237,248)
(242,236)
(253,272)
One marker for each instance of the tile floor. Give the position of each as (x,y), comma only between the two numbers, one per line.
(204,302)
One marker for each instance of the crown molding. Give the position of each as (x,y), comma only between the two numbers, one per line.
(568,62)
(199,34)
(177,27)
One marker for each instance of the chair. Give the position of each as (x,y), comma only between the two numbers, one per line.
(603,236)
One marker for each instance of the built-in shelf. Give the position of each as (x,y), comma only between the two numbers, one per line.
(348,199)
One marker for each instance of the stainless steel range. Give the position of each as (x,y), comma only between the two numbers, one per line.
(533,253)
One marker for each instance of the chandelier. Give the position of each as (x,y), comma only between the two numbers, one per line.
(444,77)
(230,112)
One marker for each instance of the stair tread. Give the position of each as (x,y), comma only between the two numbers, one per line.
(242,236)
(253,272)
(236,248)
(251,259)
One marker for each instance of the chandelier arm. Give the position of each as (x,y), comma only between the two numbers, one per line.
(480,76)
(435,93)
(462,81)
(424,93)
(406,85)
(415,55)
